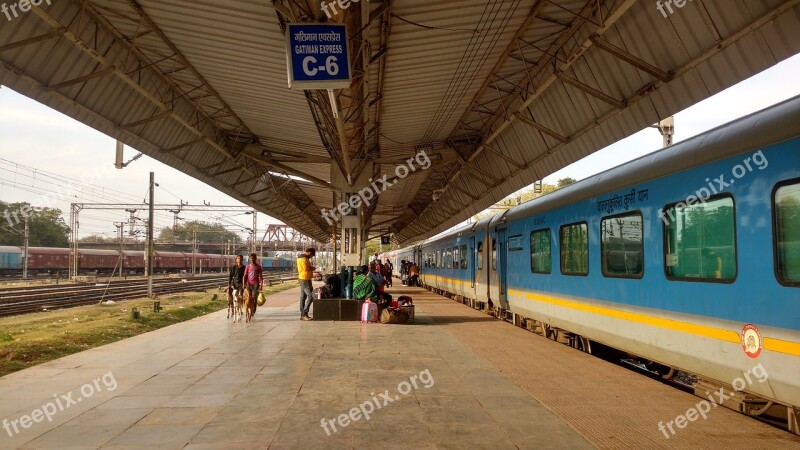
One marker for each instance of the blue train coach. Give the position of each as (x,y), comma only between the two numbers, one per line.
(688,257)
(10,260)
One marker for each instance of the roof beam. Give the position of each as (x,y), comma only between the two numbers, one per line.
(97,74)
(630,59)
(33,40)
(539,127)
(590,90)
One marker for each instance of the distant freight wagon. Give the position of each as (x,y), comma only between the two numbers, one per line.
(48,260)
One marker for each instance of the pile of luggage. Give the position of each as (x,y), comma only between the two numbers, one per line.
(400,311)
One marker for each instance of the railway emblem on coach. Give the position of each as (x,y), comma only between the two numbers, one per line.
(752,342)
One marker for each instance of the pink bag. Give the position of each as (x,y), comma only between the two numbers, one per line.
(369,312)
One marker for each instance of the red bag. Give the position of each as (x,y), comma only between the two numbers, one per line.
(394,304)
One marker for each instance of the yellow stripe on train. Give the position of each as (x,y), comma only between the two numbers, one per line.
(771,344)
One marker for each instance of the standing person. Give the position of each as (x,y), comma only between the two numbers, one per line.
(254,280)
(387,270)
(304,273)
(413,274)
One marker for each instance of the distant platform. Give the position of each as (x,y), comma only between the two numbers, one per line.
(455,379)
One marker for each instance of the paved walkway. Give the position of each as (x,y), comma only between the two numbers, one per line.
(457,379)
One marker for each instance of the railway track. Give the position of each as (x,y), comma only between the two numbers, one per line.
(25,300)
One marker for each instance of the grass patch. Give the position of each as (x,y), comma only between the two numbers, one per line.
(33,339)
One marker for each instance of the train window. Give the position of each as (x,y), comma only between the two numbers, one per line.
(700,240)
(494,254)
(480,255)
(463,255)
(786,209)
(449,258)
(438,258)
(622,245)
(575,249)
(541,259)
(455,257)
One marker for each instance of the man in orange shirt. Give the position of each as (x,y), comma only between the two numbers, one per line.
(304,273)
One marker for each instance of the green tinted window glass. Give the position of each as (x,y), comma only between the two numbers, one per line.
(541,259)
(787,232)
(480,255)
(700,241)
(575,249)
(622,246)
(463,256)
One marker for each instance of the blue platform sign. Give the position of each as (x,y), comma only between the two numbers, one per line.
(317,56)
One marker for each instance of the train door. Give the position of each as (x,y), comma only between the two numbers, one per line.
(502,269)
(471,262)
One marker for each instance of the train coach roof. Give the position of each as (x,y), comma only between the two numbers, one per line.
(173,254)
(97,252)
(9,249)
(48,250)
(774,124)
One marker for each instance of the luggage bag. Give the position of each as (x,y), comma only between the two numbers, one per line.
(369,312)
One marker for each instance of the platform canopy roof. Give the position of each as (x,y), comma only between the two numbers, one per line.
(497,93)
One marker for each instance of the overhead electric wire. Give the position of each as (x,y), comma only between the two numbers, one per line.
(458,75)
(447,107)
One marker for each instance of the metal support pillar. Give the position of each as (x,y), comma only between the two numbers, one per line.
(26,237)
(150,237)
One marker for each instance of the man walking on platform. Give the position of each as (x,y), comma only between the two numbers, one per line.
(236,276)
(304,273)
(254,280)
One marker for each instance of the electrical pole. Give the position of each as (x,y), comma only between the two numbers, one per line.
(150,237)
(121,232)
(26,237)
(255,217)
(194,249)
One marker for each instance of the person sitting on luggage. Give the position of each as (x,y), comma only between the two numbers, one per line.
(363,286)
(384,299)
(380,282)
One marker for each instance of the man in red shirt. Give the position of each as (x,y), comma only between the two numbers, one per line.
(253,279)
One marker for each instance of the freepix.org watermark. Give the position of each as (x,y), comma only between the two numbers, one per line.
(60,403)
(10,10)
(756,160)
(666,6)
(367,194)
(716,398)
(368,407)
(329,7)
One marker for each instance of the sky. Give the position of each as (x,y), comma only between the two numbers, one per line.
(42,150)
